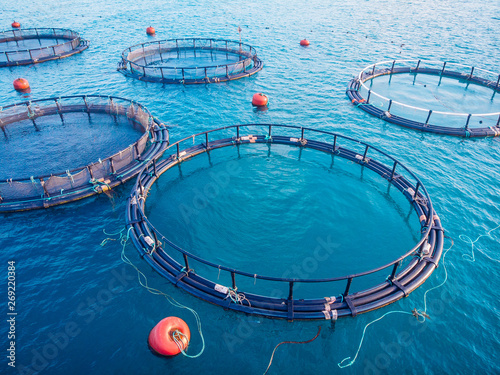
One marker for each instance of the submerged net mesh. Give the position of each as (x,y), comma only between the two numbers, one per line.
(190,60)
(410,114)
(69,185)
(30,46)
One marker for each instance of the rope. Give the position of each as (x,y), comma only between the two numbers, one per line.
(143,281)
(467,239)
(290,342)
(237,297)
(418,314)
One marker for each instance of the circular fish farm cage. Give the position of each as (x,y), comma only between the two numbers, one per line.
(447,121)
(31,46)
(42,191)
(391,281)
(190,60)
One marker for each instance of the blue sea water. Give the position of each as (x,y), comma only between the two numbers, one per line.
(81,310)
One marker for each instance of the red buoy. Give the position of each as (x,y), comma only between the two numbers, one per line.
(21,84)
(16,25)
(169,336)
(150,30)
(260,100)
(304,42)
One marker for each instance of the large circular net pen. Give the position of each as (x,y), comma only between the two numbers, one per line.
(393,280)
(31,46)
(449,122)
(42,191)
(191,60)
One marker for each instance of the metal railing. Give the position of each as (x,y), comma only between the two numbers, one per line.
(413,189)
(139,59)
(76,103)
(423,115)
(72,37)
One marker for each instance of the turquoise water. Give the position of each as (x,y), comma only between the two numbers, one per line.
(191,59)
(55,145)
(430,92)
(266,210)
(69,285)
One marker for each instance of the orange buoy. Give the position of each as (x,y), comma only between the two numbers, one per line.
(16,25)
(21,84)
(304,42)
(150,30)
(169,336)
(260,100)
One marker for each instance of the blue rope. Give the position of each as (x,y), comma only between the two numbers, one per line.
(467,239)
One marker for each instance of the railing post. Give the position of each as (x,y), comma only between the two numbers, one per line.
(498,82)
(334,143)
(141,188)
(428,117)
(416,190)
(394,169)
(237,132)
(186,263)
(471,72)
(290,290)
(444,66)
(182,73)
(270,127)
(302,133)
(392,67)
(369,94)
(418,64)
(233,278)
(390,105)
(162,76)
(498,122)
(366,150)
(348,286)
(177,150)
(373,70)
(467,123)
(206,140)
(394,270)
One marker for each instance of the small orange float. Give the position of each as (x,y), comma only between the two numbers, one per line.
(150,30)
(169,336)
(260,100)
(304,42)
(21,84)
(16,25)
